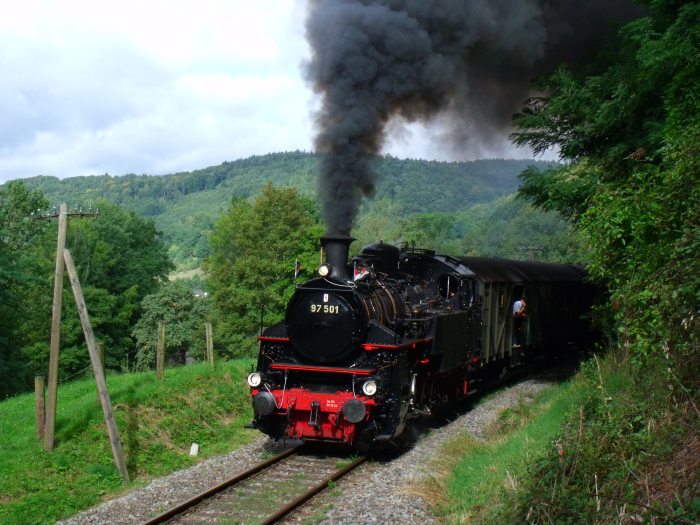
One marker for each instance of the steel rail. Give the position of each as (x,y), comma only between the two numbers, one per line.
(274,518)
(179,509)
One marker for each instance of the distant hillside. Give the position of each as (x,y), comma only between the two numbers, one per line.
(185,205)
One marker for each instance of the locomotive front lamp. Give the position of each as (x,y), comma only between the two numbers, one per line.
(369,388)
(324,270)
(254,379)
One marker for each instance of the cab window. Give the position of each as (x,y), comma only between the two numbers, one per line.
(448,286)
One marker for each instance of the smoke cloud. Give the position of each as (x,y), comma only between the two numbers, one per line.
(473,60)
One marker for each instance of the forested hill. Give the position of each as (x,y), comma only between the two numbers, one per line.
(184,205)
(422,186)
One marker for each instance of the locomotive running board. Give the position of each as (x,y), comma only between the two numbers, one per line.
(323,369)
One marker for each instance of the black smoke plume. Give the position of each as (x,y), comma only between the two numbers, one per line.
(471,59)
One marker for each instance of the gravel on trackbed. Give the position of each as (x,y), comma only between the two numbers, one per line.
(376,493)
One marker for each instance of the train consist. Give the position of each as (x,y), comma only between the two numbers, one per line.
(359,356)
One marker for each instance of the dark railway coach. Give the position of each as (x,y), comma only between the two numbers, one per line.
(357,357)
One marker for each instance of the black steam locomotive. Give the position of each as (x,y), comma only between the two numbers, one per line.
(357,357)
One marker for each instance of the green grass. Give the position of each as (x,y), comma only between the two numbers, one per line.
(472,475)
(610,445)
(187,274)
(479,478)
(158,421)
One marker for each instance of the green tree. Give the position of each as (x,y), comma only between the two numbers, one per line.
(496,229)
(510,226)
(20,235)
(254,250)
(433,231)
(120,258)
(379,220)
(184,315)
(628,125)
(185,205)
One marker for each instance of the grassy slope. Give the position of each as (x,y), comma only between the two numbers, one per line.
(157,423)
(594,450)
(503,462)
(472,476)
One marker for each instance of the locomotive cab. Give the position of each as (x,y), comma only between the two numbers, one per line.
(381,257)
(460,291)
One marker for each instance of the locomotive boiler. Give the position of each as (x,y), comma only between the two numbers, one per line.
(367,347)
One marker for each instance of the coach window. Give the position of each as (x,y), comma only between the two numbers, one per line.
(500,306)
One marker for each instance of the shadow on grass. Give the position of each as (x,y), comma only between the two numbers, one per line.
(89,410)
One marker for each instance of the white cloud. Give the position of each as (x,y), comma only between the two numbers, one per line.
(148,87)
(156,86)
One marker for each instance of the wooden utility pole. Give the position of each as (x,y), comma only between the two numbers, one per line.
(55,331)
(52,390)
(39,404)
(97,368)
(160,351)
(210,343)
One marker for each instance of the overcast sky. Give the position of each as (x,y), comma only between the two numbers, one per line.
(151,86)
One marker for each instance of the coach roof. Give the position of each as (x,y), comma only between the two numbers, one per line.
(507,271)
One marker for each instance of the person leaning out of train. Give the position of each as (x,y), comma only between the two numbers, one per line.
(519,316)
(520,309)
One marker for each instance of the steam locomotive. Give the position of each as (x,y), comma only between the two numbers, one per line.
(357,358)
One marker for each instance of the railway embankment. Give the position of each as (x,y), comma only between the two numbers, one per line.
(157,422)
(602,440)
(609,446)
(384,490)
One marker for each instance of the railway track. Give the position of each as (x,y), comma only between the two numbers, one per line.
(263,494)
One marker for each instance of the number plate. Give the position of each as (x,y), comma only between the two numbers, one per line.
(333,309)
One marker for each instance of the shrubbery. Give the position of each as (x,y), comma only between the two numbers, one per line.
(628,125)
(626,455)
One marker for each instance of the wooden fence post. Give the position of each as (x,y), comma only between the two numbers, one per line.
(101,354)
(160,351)
(97,369)
(210,343)
(39,412)
(50,423)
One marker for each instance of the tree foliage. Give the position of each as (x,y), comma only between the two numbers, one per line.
(506,227)
(183,314)
(119,250)
(628,124)
(19,234)
(254,250)
(120,258)
(185,206)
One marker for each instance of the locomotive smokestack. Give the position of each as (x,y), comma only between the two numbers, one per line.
(337,248)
